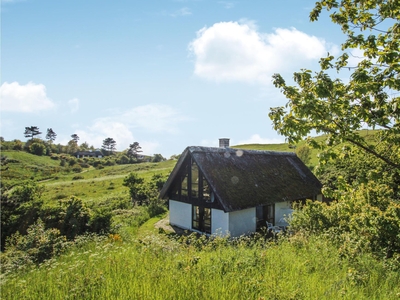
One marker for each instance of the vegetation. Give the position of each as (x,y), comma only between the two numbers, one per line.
(84,228)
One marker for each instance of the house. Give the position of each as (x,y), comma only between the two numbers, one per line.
(89,153)
(236,191)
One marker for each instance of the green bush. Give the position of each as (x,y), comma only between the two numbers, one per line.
(37,149)
(36,246)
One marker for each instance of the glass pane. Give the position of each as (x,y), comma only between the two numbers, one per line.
(196,217)
(206,191)
(195,181)
(207,220)
(184,189)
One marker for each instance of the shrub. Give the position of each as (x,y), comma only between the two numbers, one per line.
(36,246)
(77,169)
(37,149)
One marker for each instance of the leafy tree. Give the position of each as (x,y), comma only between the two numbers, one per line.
(31,132)
(136,188)
(17,145)
(157,158)
(134,150)
(37,149)
(75,138)
(51,135)
(84,146)
(304,153)
(72,147)
(109,145)
(370,98)
(364,173)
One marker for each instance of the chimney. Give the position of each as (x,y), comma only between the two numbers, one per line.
(224,143)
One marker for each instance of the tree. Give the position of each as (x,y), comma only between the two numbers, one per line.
(304,153)
(75,138)
(51,135)
(157,158)
(337,108)
(134,150)
(364,173)
(136,188)
(109,145)
(84,146)
(31,132)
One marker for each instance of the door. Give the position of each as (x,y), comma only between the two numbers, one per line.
(201,219)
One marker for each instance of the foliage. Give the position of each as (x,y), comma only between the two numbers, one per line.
(362,220)
(51,135)
(154,267)
(20,209)
(134,150)
(109,145)
(361,174)
(136,187)
(75,138)
(31,132)
(370,98)
(304,153)
(36,246)
(157,158)
(37,149)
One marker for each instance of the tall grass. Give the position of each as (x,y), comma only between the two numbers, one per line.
(154,267)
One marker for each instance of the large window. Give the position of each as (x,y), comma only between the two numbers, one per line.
(201,218)
(195,180)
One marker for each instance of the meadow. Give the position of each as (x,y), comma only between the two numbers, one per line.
(138,260)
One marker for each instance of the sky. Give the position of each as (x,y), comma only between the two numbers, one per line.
(164,73)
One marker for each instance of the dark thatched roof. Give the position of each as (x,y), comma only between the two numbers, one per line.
(246,178)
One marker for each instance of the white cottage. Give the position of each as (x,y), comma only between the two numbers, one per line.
(236,191)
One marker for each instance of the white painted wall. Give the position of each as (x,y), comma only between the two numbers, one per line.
(282,210)
(242,221)
(180,214)
(219,222)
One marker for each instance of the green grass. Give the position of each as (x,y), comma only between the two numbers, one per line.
(154,267)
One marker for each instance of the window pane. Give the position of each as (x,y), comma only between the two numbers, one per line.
(206,191)
(207,220)
(196,217)
(195,181)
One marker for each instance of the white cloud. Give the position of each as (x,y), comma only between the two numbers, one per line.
(26,98)
(154,118)
(73,105)
(184,11)
(257,139)
(232,51)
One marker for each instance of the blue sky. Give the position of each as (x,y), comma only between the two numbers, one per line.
(167,74)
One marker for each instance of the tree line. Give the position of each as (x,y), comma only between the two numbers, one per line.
(38,146)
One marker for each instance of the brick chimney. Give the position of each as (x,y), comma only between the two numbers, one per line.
(224,143)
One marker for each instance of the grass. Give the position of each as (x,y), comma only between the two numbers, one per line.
(154,267)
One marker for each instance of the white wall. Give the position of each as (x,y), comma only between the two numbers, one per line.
(242,221)
(219,222)
(282,210)
(180,214)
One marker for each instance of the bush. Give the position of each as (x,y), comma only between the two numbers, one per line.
(37,149)
(77,169)
(36,246)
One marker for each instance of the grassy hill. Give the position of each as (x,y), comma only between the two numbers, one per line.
(138,261)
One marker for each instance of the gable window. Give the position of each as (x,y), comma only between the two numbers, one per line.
(195,180)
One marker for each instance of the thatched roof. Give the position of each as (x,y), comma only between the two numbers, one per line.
(246,178)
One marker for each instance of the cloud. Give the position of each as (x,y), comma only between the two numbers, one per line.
(155,118)
(26,98)
(233,51)
(73,105)
(257,139)
(184,11)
